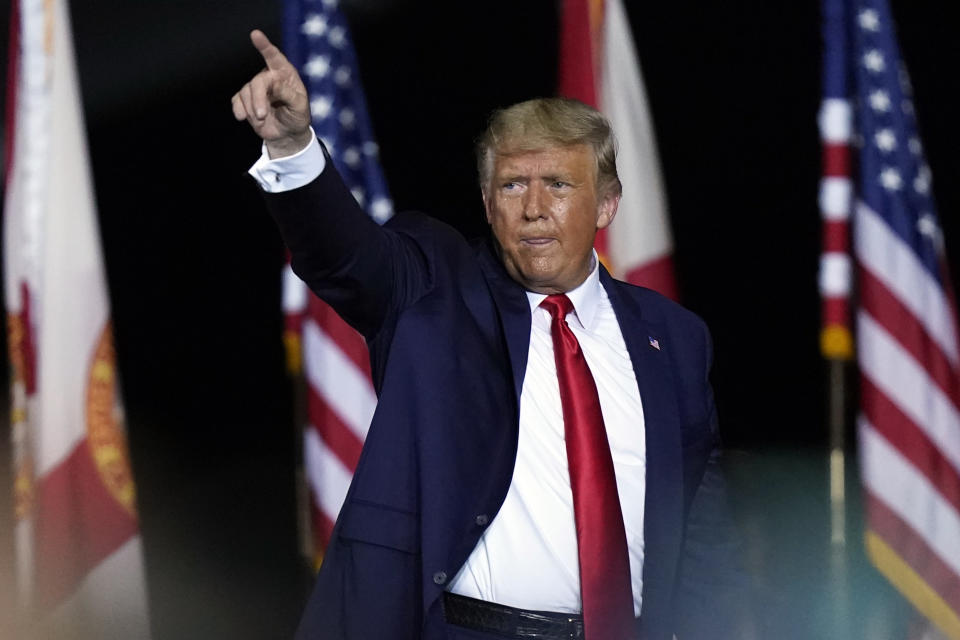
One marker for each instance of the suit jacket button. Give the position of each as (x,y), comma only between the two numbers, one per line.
(440,577)
(482,520)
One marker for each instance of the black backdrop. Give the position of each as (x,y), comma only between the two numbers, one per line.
(193,261)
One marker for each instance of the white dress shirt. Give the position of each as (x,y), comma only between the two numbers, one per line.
(289,172)
(527,557)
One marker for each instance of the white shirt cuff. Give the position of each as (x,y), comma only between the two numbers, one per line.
(290,172)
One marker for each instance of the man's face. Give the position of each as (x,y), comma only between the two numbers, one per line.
(544,209)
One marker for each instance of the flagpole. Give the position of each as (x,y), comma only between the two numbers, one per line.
(837,482)
(836,285)
(837,423)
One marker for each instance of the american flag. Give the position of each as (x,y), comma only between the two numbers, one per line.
(340,395)
(909,422)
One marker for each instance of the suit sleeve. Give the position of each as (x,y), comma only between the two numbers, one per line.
(364,271)
(713,599)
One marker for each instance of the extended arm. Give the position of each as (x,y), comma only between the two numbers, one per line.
(360,269)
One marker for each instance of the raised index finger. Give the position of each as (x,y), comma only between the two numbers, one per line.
(271,54)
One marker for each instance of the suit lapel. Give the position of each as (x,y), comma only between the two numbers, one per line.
(663,503)
(514,309)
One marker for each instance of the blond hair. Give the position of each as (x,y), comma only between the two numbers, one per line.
(544,123)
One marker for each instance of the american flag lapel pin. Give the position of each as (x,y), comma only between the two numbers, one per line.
(654,342)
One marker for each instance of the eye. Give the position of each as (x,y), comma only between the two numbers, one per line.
(559,184)
(511,186)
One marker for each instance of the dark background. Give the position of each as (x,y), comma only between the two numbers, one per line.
(193,264)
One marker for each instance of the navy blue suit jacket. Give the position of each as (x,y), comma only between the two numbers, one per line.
(448,332)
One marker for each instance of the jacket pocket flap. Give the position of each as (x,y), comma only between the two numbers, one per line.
(375,524)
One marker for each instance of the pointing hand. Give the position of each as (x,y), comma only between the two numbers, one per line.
(275,102)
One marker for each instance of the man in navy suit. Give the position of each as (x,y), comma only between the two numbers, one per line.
(482,505)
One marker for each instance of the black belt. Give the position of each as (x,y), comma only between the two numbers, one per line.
(511,622)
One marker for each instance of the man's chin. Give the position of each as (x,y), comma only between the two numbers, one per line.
(540,282)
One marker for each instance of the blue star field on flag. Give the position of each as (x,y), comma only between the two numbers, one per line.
(894,176)
(317,42)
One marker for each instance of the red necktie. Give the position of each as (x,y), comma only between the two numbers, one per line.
(605,586)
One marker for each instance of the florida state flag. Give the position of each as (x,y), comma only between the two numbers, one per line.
(79,561)
(599,66)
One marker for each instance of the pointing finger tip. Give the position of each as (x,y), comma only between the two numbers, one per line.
(259,39)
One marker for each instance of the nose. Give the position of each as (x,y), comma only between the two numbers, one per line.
(533,202)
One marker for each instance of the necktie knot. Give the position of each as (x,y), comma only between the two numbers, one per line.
(558,305)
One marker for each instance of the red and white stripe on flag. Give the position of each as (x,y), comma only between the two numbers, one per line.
(340,402)
(910,421)
(599,66)
(79,559)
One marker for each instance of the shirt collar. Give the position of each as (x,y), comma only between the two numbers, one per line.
(584,297)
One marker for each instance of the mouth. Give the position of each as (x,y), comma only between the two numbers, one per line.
(537,242)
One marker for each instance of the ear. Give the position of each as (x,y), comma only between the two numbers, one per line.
(607,210)
(486,204)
